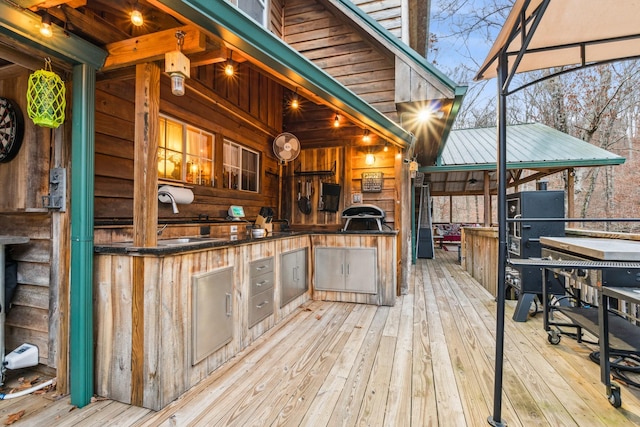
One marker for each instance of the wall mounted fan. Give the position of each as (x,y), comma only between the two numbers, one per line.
(286,147)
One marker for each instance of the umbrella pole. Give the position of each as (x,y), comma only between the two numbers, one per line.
(496,418)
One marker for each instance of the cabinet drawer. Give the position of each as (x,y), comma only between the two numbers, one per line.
(261,266)
(260,306)
(261,283)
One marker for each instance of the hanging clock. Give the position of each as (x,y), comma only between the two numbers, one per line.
(11,129)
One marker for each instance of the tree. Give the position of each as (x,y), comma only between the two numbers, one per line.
(599,105)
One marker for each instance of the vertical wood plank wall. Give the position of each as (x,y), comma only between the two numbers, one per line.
(39,300)
(479,255)
(166,345)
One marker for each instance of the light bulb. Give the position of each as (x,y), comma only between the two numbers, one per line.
(45,29)
(228,69)
(369,159)
(177,84)
(336,122)
(365,136)
(136,18)
(294,103)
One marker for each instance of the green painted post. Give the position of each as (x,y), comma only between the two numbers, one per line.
(82,190)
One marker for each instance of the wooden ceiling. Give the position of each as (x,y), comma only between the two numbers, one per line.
(107,24)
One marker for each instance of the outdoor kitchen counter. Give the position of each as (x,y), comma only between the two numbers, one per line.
(207,242)
(145,304)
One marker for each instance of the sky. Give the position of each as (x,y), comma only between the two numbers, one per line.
(454,51)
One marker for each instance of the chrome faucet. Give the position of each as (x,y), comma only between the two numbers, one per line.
(161,229)
(170,196)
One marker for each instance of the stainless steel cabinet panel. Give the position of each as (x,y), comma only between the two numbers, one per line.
(260,306)
(346,269)
(293,275)
(212,304)
(261,291)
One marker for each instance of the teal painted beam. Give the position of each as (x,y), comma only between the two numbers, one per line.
(24,26)
(229,23)
(81,364)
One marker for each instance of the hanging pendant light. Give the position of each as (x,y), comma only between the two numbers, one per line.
(177,66)
(46,100)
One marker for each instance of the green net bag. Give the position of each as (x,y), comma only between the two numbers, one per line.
(46,97)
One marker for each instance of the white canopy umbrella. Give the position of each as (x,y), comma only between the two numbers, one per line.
(542,34)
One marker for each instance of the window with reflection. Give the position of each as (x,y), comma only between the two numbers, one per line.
(185,153)
(241,166)
(256,9)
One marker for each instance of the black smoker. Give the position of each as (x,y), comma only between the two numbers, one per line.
(524,241)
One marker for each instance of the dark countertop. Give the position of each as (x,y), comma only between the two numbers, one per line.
(174,246)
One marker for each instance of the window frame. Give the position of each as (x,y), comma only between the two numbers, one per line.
(265,11)
(240,167)
(186,157)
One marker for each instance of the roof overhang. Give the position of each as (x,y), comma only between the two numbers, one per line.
(23,26)
(530,147)
(541,34)
(227,22)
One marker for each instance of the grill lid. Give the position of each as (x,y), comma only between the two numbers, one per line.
(363,211)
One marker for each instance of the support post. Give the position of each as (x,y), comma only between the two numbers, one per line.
(496,418)
(82,193)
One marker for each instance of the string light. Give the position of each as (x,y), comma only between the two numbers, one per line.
(136,16)
(369,159)
(45,29)
(336,121)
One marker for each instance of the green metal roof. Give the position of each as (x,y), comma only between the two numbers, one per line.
(229,23)
(529,146)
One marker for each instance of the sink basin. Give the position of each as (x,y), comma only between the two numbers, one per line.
(189,240)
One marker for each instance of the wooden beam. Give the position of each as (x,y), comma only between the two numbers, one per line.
(21,58)
(47,4)
(152,47)
(89,23)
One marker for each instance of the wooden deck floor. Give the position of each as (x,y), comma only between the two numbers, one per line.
(427,361)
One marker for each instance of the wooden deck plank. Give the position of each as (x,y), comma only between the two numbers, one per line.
(427,361)
(373,406)
(463,346)
(353,392)
(424,408)
(573,369)
(324,402)
(447,393)
(267,376)
(291,402)
(399,400)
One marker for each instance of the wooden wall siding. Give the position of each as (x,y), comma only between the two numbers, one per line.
(25,178)
(166,346)
(388,13)
(479,255)
(252,95)
(385,162)
(314,161)
(28,319)
(356,61)
(276,17)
